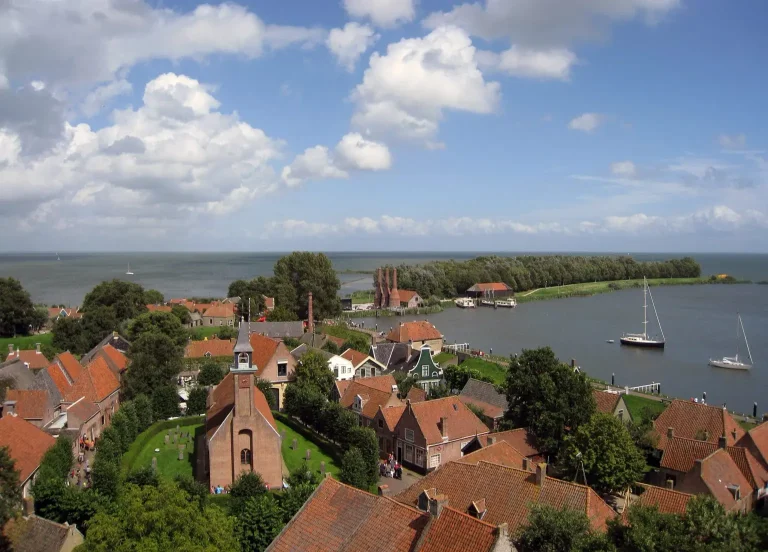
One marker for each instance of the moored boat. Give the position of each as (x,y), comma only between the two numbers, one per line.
(733,363)
(465,303)
(643,339)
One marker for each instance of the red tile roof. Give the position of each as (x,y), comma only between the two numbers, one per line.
(117,358)
(216,348)
(666,500)
(226,310)
(392,415)
(65,370)
(508,493)
(606,402)
(372,398)
(406,295)
(59,379)
(159,308)
(95,384)
(83,410)
(498,453)
(416,394)
(758,436)
(355,357)
(36,361)
(264,348)
(718,471)
(462,422)
(414,331)
(341,518)
(753,470)
(70,364)
(490,410)
(53,312)
(690,420)
(490,286)
(31,404)
(341,386)
(269,302)
(518,438)
(27,444)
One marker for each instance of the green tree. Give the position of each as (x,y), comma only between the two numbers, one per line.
(126,298)
(438,392)
(110,445)
(312,368)
(281,314)
(648,530)
(547,397)
(266,388)
(331,347)
(456,376)
(305,401)
(10,492)
(165,402)
(302,482)
(306,272)
(211,373)
(106,477)
(68,335)
(197,491)
(710,527)
(247,485)
(153,297)
(196,401)
(552,530)
(604,448)
(354,470)
(182,313)
(405,383)
(158,322)
(160,518)
(258,522)
(57,460)
(125,427)
(143,406)
(364,439)
(39,318)
(143,476)
(97,323)
(155,361)
(357,341)
(226,332)
(17,313)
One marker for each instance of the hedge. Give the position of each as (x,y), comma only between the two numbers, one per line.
(140,442)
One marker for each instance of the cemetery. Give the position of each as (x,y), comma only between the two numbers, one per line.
(169,446)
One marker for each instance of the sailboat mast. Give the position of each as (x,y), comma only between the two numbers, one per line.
(658,321)
(745,340)
(738,320)
(645,309)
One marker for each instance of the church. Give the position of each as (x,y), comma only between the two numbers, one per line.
(240,432)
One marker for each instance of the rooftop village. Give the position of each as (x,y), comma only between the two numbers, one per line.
(451,470)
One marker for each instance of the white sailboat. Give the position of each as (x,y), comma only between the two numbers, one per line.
(733,363)
(129,273)
(643,339)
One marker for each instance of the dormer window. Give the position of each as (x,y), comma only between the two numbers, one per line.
(207,354)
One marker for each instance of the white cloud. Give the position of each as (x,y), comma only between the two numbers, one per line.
(349,43)
(174,155)
(554,63)
(353,152)
(733,141)
(37,85)
(624,168)
(587,122)
(405,91)
(382,13)
(97,99)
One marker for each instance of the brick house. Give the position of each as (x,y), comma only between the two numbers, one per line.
(666,501)
(340,517)
(84,416)
(213,348)
(364,366)
(33,405)
(490,290)
(274,363)
(96,384)
(756,442)
(366,401)
(416,334)
(410,299)
(611,403)
(431,433)
(36,534)
(519,439)
(484,396)
(240,432)
(503,495)
(696,421)
(222,314)
(27,444)
(32,358)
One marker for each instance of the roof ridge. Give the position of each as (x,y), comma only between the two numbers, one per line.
(685,401)
(648,487)
(691,439)
(473,518)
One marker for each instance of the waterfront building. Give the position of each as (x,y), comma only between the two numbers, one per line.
(416,334)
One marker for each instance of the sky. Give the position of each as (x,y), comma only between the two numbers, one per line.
(366,125)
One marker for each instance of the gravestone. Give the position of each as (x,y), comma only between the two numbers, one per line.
(181,454)
(282,435)
(167,438)
(309,454)
(322,468)
(294,444)
(178,428)
(154,463)
(174,439)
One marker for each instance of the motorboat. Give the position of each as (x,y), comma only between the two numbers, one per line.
(465,303)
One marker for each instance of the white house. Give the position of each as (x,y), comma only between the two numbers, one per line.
(342,368)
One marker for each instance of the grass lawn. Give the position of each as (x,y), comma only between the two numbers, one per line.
(344,333)
(321,450)
(746,426)
(494,371)
(362,296)
(639,407)
(24,342)
(201,332)
(440,358)
(592,288)
(168,463)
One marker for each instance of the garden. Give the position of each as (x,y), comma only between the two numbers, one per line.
(172,442)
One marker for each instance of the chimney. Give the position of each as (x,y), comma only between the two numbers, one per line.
(670,484)
(114,334)
(573,363)
(424,498)
(444,427)
(490,440)
(394,278)
(733,433)
(706,435)
(526,464)
(383,490)
(670,432)
(722,441)
(9,408)
(37,348)
(541,473)
(437,504)
(310,315)
(503,534)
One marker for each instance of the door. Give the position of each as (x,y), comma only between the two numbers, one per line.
(399,454)
(276,396)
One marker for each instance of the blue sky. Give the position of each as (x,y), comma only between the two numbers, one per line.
(632,125)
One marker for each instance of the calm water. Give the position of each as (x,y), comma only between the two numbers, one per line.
(209,274)
(699,322)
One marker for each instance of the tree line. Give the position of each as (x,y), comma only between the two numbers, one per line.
(452,278)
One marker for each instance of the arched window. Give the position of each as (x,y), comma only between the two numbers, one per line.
(242,359)
(245,456)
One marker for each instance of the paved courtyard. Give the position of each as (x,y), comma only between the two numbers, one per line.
(396,486)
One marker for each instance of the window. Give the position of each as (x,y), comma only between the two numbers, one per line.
(242,360)
(207,354)
(464,444)
(210,321)
(409,453)
(409,435)
(425,370)
(381,423)
(221,322)
(282,369)
(420,457)
(231,322)
(245,456)
(434,461)
(435,374)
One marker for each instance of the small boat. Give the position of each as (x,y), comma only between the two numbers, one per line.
(610,341)
(487,303)
(508,303)
(465,303)
(129,273)
(733,363)
(643,339)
